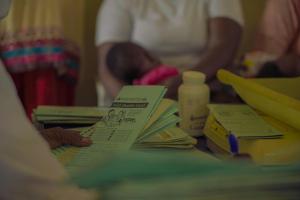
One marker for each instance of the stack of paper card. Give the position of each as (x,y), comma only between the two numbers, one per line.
(170,138)
(66,116)
(237,129)
(242,121)
(138,118)
(160,132)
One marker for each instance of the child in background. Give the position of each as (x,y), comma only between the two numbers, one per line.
(131,64)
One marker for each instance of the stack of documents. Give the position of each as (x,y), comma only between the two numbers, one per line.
(237,129)
(65,116)
(138,118)
(277,101)
(170,138)
(278,98)
(159,131)
(242,121)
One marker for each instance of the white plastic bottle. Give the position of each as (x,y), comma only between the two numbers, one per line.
(193,97)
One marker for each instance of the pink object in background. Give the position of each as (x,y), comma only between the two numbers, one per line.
(157,75)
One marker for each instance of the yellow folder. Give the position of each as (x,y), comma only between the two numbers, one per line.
(276,97)
(278,151)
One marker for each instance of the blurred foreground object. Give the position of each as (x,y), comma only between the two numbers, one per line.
(180,176)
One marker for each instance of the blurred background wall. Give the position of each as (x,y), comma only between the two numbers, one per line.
(86,90)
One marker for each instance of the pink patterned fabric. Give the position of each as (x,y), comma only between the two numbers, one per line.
(22,56)
(157,75)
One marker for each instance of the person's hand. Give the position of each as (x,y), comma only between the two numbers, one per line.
(57,137)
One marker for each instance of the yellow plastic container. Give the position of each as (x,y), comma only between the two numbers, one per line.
(276,97)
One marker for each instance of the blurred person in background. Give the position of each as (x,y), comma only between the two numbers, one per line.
(201,35)
(277,46)
(130,64)
(38,53)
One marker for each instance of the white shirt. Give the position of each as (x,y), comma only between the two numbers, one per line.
(28,169)
(174,30)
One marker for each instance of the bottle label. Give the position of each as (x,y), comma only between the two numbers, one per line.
(193,115)
(197,122)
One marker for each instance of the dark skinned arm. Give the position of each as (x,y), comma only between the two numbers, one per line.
(110,83)
(223,42)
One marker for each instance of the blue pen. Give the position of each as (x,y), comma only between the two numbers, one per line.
(234,146)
